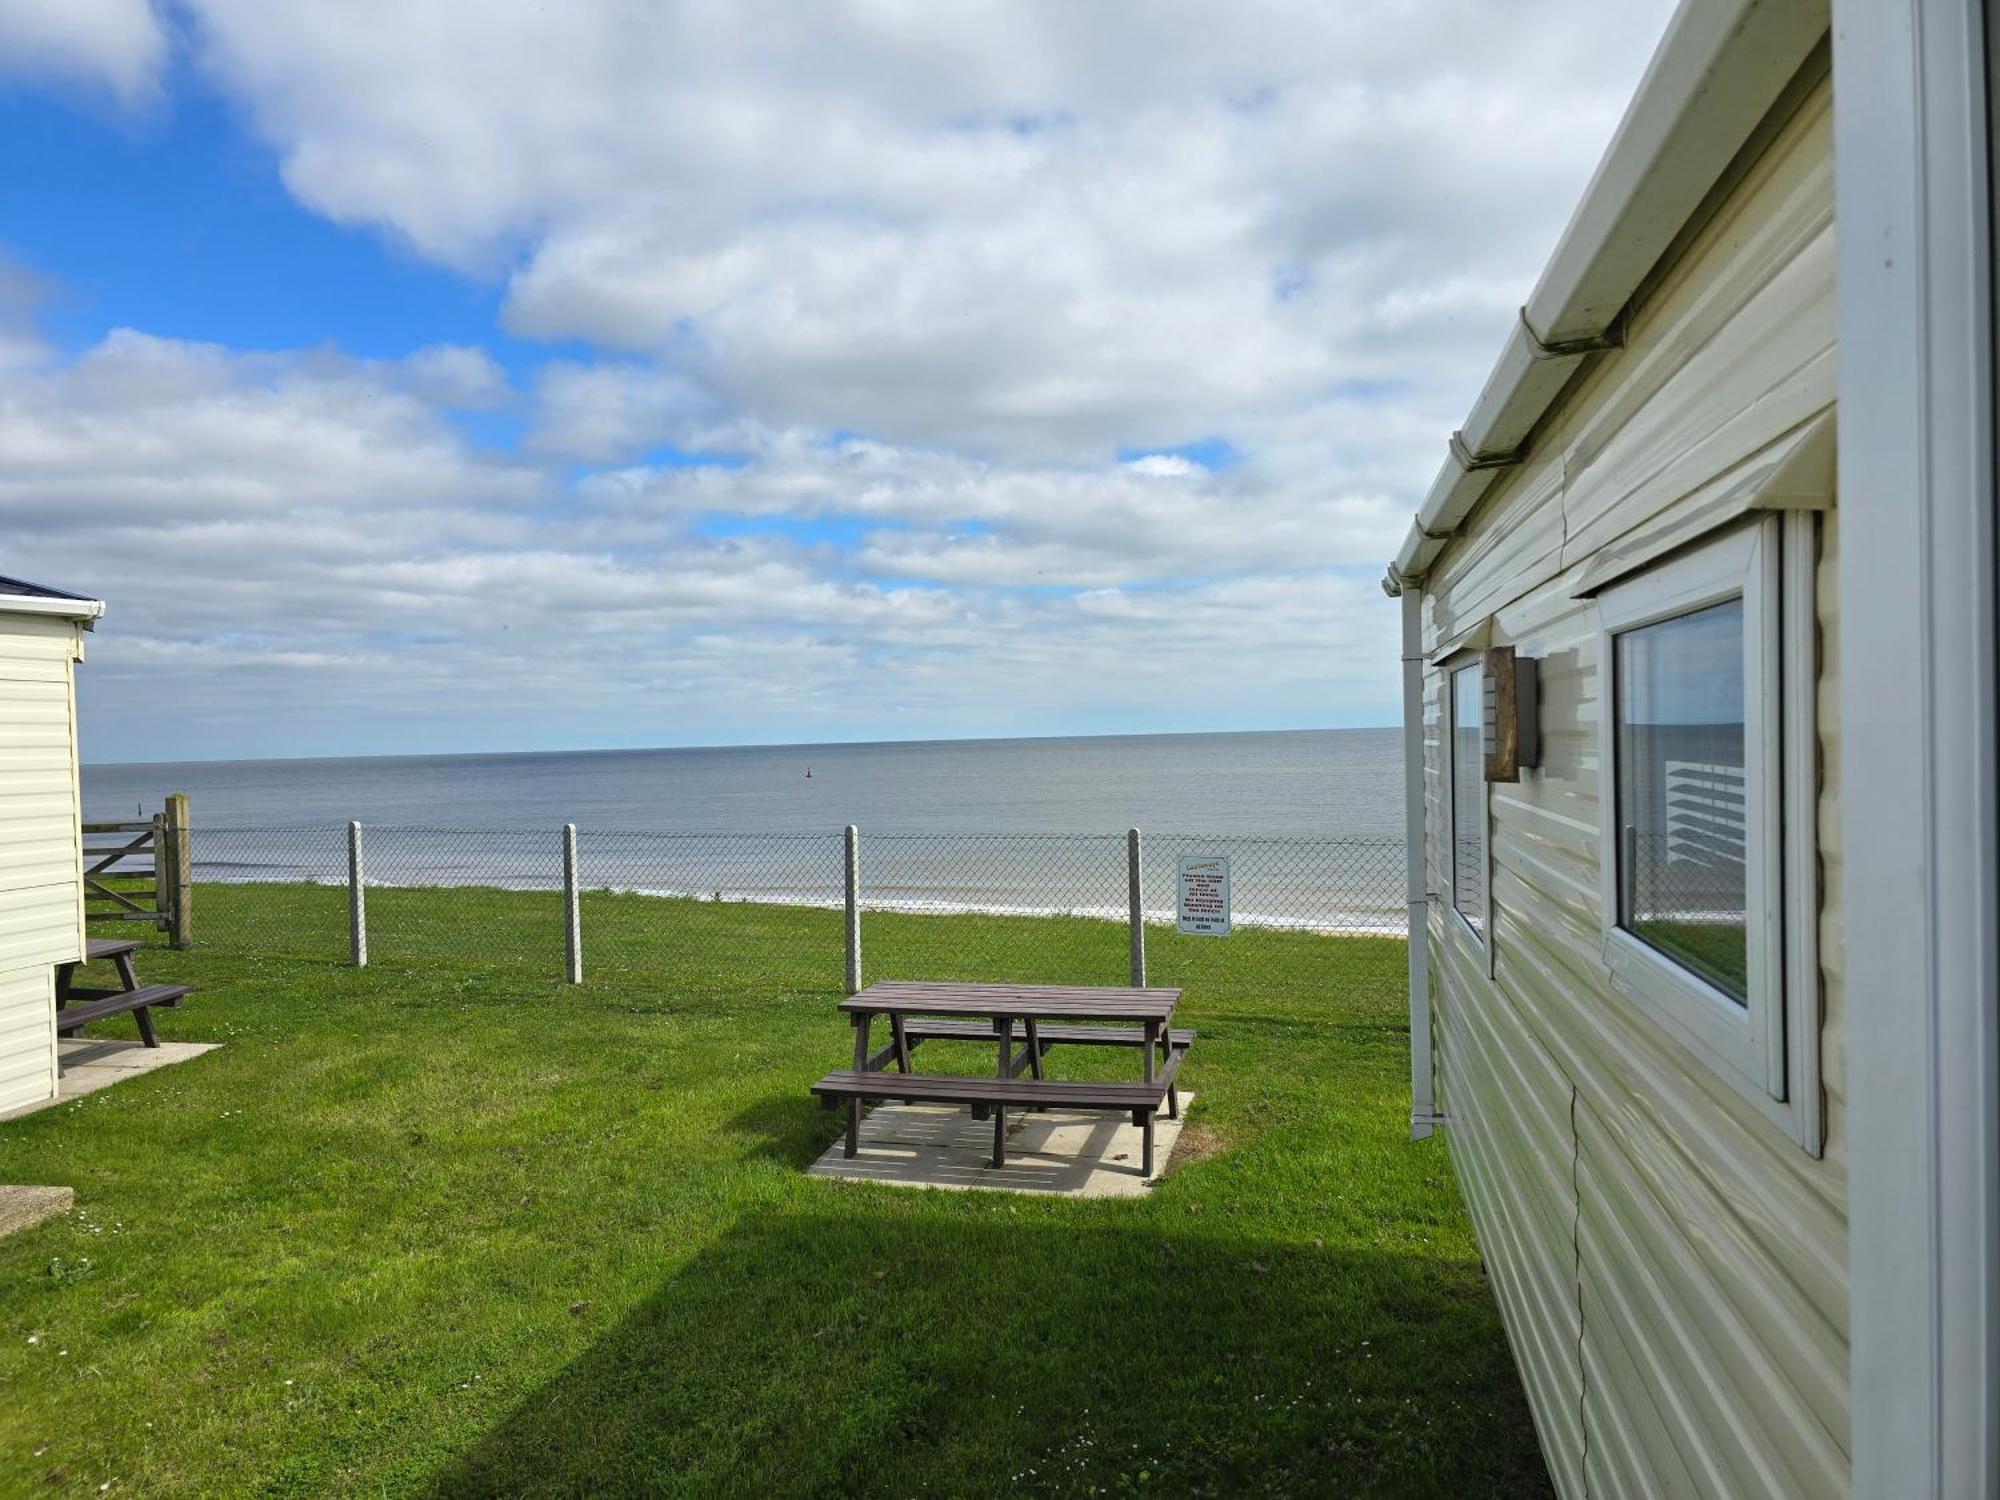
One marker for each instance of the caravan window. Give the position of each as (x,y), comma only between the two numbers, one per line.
(1683,880)
(1468,798)
(1709,804)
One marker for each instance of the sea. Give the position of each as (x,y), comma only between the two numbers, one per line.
(1339,783)
(1311,820)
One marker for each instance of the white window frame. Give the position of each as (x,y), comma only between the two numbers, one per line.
(1767,1049)
(1481,936)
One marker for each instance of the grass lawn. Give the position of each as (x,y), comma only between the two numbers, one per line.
(451,1227)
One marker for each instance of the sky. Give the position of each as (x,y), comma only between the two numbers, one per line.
(412,376)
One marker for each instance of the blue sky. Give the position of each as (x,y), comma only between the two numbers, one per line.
(412,376)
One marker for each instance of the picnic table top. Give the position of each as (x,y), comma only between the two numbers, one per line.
(1083,1002)
(97,948)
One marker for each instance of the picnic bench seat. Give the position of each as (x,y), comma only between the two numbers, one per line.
(77,1007)
(97,1004)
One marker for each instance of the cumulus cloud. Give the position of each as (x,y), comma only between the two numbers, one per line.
(1026,226)
(1058,362)
(601,412)
(119,44)
(457,375)
(299,546)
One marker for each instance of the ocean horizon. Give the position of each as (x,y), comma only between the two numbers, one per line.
(1343,783)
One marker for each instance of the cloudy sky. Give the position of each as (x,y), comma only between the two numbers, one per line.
(411,375)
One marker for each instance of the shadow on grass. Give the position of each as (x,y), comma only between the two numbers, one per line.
(962,1345)
(790,1127)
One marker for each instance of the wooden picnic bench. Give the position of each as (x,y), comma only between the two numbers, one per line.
(921,1012)
(76,1008)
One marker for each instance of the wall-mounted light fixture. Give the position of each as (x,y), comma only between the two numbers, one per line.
(1513,713)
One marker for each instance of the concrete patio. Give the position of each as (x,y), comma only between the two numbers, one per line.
(89,1063)
(1068,1153)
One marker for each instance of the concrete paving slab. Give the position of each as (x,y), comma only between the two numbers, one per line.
(1072,1153)
(88,1064)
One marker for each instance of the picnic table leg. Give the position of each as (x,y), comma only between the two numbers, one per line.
(1152,1061)
(1035,1055)
(64,973)
(127,974)
(1006,1025)
(902,1043)
(863,1024)
(1167,1056)
(1034,1048)
(144,1016)
(979,1110)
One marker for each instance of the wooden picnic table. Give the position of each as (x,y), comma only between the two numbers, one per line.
(1143,1019)
(76,1008)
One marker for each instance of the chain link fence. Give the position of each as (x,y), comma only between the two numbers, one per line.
(713,908)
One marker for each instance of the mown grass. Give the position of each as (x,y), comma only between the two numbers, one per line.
(447,1226)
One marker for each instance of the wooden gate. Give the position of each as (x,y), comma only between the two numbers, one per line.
(139,872)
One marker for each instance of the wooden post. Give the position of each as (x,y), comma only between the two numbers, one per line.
(853,844)
(572,915)
(181,928)
(357,900)
(1134,900)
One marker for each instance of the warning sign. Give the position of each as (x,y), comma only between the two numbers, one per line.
(1204,906)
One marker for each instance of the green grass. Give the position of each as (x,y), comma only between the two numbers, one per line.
(447,1227)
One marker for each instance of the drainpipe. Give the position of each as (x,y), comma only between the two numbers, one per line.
(1423,1108)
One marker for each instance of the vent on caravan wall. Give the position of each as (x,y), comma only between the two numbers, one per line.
(1513,713)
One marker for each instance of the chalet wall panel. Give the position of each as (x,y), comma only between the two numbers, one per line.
(41,891)
(27,1036)
(1669,1262)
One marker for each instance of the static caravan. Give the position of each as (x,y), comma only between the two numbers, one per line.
(41,842)
(1700,717)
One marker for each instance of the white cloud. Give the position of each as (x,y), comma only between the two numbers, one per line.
(457,375)
(923,272)
(22,294)
(1033,227)
(120,44)
(298,547)
(164,432)
(602,412)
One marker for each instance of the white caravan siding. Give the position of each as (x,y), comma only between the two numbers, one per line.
(41,887)
(1669,1264)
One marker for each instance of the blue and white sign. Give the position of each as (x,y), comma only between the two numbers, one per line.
(1204,895)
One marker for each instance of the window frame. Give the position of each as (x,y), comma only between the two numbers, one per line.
(1768,1048)
(1481,936)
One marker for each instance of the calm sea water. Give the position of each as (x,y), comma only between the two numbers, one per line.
(944,824)
(1340,783)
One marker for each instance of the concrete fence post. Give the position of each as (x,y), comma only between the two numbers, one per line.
(181,848)
(853,881)
(357,900)
(1135,904)
(572,912)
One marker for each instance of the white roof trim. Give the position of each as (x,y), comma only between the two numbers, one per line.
(1720,68)
(41,604)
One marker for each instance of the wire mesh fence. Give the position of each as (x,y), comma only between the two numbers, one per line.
(715,907)
(951,906)
(275,891)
